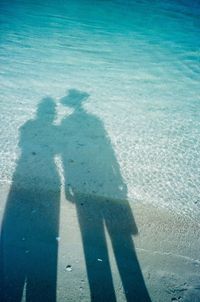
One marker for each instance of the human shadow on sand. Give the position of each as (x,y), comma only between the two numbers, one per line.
(92,179)
(93,182)
(28,250)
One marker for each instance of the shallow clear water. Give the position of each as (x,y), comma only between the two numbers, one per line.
(140,63)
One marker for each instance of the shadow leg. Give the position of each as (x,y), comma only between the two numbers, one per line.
(94,245)
(12,273)
(129,269)
(42,273)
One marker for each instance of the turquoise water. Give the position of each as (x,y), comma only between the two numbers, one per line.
(139,61)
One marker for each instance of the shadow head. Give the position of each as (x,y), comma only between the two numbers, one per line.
(74,98)
(46,109)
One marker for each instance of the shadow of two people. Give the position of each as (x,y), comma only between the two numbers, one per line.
(30,224)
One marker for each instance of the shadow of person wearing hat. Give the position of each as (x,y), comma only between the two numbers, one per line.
(93,181)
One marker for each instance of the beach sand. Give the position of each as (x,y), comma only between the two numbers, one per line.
(166,244)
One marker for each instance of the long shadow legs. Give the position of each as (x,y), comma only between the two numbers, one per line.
(96,255)
(92,215)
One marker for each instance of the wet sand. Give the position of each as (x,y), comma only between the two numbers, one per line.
(167,248)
